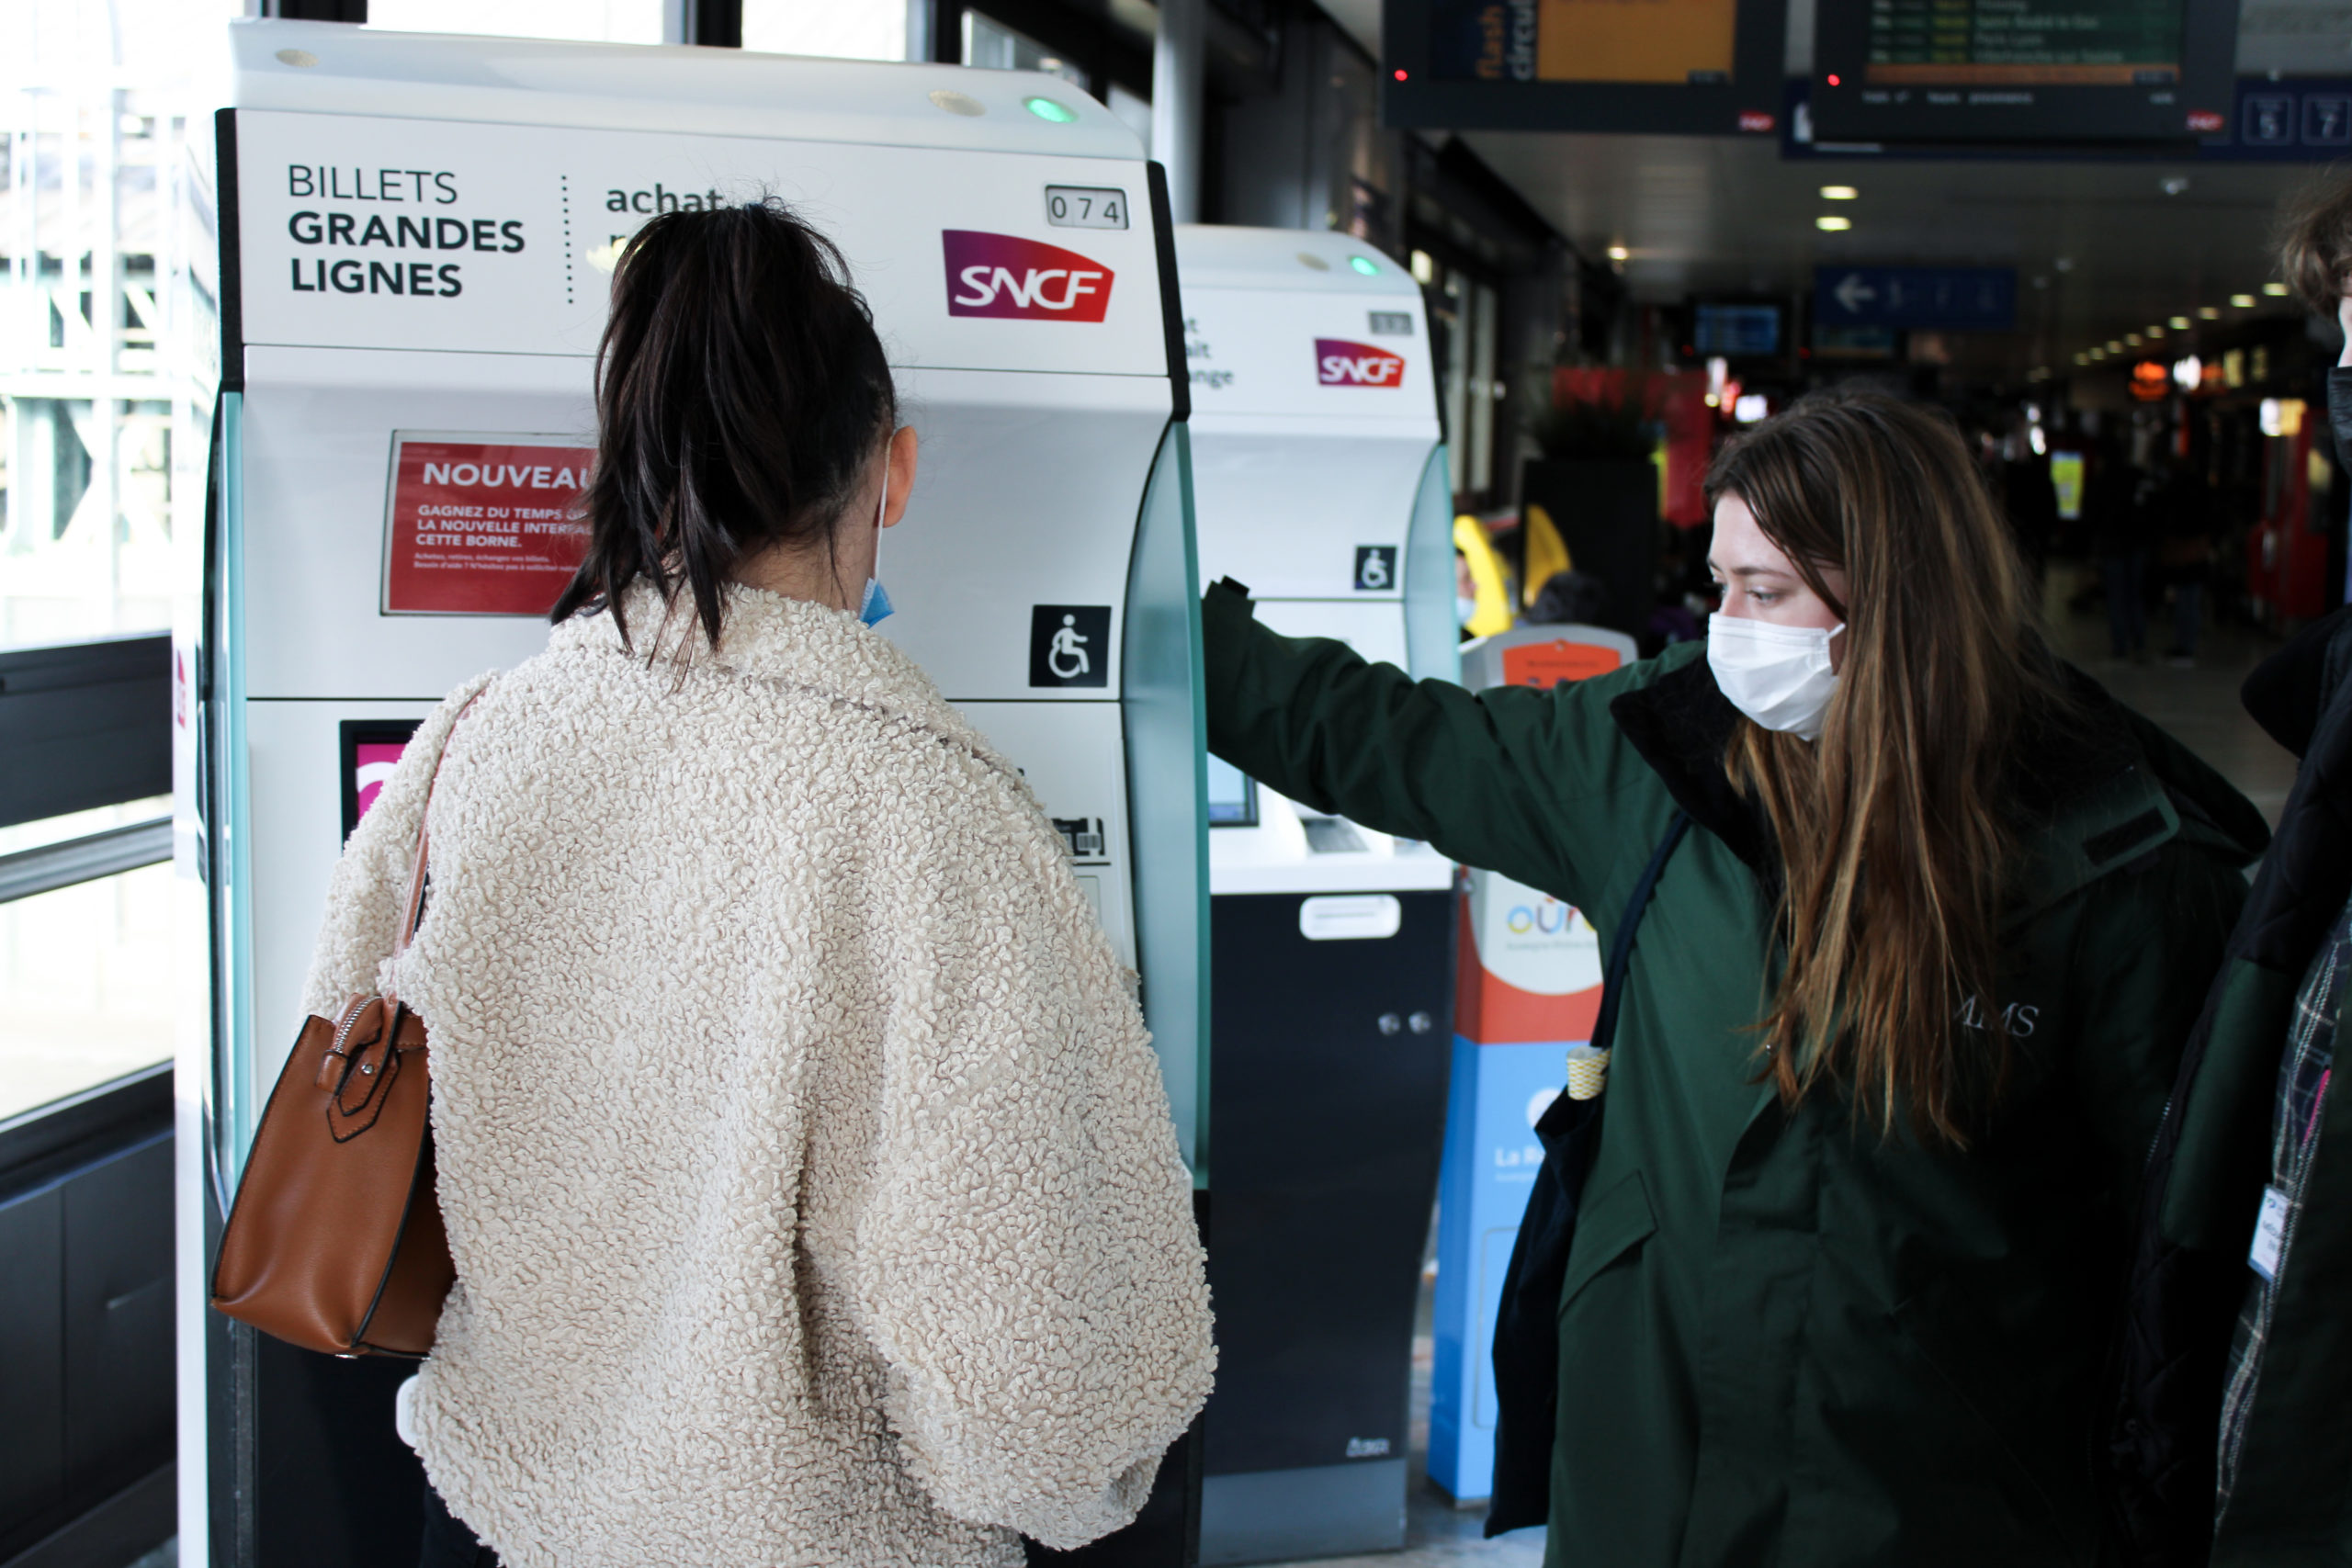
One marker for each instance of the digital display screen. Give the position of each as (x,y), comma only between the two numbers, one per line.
(1735,331)
(1233,796)
(370,747)
(2025,43)
(1961,71)
(1667,67)
(1680,42)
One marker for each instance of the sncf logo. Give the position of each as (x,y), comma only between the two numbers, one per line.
(1338,363)
(1001,275)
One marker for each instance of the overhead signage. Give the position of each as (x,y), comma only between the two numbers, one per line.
(1999,71)
(1951,299)
(1665,66)
(417,235)
(483,525)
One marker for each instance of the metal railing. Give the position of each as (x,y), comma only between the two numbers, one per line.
(108,853)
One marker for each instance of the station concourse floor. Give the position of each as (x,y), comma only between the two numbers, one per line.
(2199,704)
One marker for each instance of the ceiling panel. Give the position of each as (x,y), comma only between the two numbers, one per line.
(2102,248)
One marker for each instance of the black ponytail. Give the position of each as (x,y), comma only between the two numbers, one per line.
(741,393)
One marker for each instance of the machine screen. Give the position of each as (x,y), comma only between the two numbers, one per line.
(1233,795)
(371,747)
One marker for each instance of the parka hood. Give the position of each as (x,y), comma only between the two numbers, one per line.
(2095,791)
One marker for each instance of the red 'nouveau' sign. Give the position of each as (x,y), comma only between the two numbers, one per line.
(482,527)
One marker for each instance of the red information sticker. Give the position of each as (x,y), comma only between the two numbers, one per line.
(483,525)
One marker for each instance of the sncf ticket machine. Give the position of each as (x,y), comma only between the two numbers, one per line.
(1320,482)
(417,235)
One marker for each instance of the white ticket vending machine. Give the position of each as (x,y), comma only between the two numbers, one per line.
(418,233)
(1319,482)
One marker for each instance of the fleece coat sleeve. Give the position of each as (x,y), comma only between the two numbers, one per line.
(1027,1264)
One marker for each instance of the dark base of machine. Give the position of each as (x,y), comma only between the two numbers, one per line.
(1327,1083)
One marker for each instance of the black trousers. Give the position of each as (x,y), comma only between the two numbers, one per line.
(448,1543)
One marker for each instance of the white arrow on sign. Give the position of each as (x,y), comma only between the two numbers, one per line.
(1852,293)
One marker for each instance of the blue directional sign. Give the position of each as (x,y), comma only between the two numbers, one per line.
(1951,299)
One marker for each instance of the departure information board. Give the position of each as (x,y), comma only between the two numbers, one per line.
(2003,70)
(1663,66)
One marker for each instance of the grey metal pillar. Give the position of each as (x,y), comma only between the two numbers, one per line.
(1176,70)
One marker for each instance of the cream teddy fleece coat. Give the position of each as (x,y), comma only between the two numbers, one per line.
(806,1162)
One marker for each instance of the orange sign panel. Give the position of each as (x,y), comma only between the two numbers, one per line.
(1548,664)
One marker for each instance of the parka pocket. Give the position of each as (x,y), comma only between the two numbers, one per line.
(1610,1224)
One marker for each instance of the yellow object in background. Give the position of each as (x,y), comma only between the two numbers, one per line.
(1649,41)
(1547,553)
(1489,573)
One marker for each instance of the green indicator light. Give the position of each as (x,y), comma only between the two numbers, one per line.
(1047,109)
(1365,266)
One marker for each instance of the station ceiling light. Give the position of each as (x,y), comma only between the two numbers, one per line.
(2082,359)
(1831,223)
(2115,345)
(1618,253)
(2179,324)
(2131,338)
(2155,332)
(1839,193)
(2209,313)
(2276,290)
(2241,302)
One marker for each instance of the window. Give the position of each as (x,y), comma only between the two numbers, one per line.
(990,44)
(596,21)
(108,363)
(841,29)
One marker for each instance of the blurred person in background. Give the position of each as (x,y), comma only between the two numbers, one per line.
(2029,498)
(2119,540)
(2183,515)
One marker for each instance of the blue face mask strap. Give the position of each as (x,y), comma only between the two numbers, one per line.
(876,606)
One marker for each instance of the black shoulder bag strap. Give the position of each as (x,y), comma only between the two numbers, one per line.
(1527,1335)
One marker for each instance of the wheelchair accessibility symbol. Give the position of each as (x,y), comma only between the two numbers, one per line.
(1376,569)
(1069,645)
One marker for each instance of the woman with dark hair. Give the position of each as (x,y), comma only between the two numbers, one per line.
(805,1162)
(1897,1029)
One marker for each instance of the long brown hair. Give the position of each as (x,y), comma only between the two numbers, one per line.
(1895,848)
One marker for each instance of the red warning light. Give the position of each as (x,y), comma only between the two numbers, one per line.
(1833,79)
(1400,73)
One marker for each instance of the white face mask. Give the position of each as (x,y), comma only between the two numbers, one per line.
(1779,676)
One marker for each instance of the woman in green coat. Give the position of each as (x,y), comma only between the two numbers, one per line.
(1900,1023)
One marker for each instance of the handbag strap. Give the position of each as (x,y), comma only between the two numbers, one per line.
(412,911)
(1621,951)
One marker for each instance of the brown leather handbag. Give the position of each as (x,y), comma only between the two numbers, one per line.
(335,1241)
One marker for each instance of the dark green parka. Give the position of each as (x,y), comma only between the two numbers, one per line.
(1786,1339)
